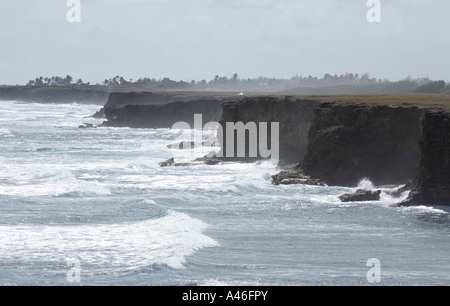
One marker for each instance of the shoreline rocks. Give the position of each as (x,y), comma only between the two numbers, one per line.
(294,177)
(361,195)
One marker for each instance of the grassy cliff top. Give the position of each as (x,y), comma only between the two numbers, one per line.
(422,99)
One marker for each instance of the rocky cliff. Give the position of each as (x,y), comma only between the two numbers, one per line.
(294,116)
(336,143)
(349,142)
(163,109)
(431,185)
(162,115)
(55,94)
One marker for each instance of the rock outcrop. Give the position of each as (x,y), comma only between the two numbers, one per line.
(294,176)
(361,196)
(168,163)
(348,142)
(432,182)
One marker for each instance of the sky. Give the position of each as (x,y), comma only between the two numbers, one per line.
(198,39)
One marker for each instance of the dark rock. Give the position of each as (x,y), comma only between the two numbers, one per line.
(212,162)
(397,193)
(431,185)
(163,109)
(210,159)
(294,116)
(294,177)
(99,114)
(361,196)
(183,164)
(162,115)
(168,163)
(350,141)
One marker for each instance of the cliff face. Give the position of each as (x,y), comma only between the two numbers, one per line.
(162,115)
(163,109)
(54,94)
(294,116)
(348,142)
(432,182)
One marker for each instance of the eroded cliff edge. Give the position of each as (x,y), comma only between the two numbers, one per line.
(431,185)
(161,109)
(349,142)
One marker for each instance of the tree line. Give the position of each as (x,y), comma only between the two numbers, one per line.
(55,81)
(234,82)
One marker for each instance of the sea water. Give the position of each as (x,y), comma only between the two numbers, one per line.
(99,198)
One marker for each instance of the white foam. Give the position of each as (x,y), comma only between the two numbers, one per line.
(5,133)
(229,282)
(425,209)
(37,114)
(366,184)
(214,283)
(118,247)
(42,184)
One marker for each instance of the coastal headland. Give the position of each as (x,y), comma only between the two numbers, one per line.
(400,139)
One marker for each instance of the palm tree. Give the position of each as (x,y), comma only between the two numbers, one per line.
(68,80)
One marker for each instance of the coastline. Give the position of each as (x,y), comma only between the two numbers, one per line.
(335,140)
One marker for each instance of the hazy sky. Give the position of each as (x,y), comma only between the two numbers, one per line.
(197,39)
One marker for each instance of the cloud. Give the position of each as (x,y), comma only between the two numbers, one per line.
(198,39)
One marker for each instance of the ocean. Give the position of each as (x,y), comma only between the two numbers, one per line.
(93,207)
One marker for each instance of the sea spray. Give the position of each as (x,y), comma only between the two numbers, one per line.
(366,184)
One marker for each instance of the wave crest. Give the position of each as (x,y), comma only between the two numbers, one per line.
(165,241)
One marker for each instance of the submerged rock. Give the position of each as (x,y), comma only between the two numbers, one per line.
(361,195)
(397,193)
(207,160)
